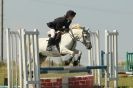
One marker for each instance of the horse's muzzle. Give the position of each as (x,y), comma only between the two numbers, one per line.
(89,45)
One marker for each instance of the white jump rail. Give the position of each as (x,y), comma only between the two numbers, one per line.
(18,52)
(111,53)
(94,56)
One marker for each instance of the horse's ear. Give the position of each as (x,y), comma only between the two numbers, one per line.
(88,29)
(83,28)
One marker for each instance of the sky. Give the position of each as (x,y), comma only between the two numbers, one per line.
(93,14)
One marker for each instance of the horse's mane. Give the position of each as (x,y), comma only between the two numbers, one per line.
(76,26)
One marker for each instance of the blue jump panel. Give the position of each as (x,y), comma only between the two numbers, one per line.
(70,69)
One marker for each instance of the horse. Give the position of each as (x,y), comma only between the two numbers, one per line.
(68,44)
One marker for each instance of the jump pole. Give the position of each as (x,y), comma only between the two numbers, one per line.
(25,72)
(111,54)
(94,56)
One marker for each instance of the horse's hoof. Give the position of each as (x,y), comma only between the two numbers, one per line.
(67,63)
(75,63)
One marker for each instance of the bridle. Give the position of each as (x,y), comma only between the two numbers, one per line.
(84,42)
(76,38)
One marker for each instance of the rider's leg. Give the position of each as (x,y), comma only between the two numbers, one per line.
(51,40)
(58,47)
(50,43)
(57,40)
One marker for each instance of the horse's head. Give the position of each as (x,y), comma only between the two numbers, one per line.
(81,35)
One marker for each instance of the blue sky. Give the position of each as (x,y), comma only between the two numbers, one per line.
(93,14)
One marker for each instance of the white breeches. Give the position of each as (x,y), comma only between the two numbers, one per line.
(52,33)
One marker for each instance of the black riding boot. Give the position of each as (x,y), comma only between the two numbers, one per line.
(57,40)
(50,43)
(58,47)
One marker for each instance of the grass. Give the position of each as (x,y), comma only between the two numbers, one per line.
(124,81)
(3,73)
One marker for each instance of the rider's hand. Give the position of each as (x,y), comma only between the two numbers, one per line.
(62,33)
(67,30)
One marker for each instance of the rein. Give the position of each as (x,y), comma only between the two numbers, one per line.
(72,35)
(75,39)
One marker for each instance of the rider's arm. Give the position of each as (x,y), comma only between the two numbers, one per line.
(50,25)
(67,26)
(59,24)
(62,24)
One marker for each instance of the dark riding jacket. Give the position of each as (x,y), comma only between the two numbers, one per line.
(60,24)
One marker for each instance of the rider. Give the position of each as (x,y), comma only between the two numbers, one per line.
(59,25)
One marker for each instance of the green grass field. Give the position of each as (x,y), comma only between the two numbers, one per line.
(124,82)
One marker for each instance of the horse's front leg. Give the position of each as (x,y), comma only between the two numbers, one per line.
(76,58)
(68,55)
